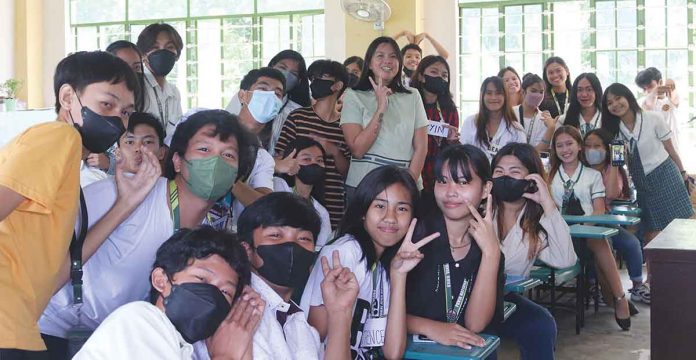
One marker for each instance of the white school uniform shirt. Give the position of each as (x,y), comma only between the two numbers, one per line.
(261,177)
(119,271)
(351,257)
(585,127)
(503,136)
(534,127)
(89,175)
(648,133)
(162,102)
(138,330)
(235,106)
(555,250)
(588,185)
(296,340)
(669,112)
(279,185)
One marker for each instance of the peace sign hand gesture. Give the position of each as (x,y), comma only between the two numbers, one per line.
(339,289)
(408,255)
(382,92)
(482,230)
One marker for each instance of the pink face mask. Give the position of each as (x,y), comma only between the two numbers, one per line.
(534,99)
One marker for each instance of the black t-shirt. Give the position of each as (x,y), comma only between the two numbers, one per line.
(425,291)
(550,105)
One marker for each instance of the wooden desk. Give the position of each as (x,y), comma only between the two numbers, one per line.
(672,258)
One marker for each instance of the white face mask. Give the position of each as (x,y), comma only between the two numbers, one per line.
(595,156)
(264,106)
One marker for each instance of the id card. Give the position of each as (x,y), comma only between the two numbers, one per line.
(373,332)
(437,128)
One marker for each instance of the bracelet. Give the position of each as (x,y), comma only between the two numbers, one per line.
(546,142)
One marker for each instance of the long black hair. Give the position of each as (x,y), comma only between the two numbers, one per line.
(483,113)
(300,93)
(549,101)
(396,84)
(444,100)
(610,122)
(300,143)
(113,49)
(353,221)
(529,222)
(572,116)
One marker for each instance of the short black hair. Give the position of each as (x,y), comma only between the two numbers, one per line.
(226,125)
(411,47)
(253,76)
(278,209)
(83,68)
(300,143)
(357,60)
(332,68)
(148,37)
(147,119)
(187,245)
(645,77)
(117,45)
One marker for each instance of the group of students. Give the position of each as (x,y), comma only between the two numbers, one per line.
(319,215)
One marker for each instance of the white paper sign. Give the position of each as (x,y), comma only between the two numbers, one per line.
(373,332)
(437,128)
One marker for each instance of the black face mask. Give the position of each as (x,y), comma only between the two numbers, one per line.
(321,88)
(408,72)
(352,80)
(98,132)
(285,264)
(161,62)
(435,85)
(311,174)
(196,310)
(509,189)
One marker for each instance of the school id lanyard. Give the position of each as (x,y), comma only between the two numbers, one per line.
(377,305)
(164,113)
(174,201)
(454,312)
(555,100)
(531,123)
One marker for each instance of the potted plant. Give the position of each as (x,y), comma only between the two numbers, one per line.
(10,87)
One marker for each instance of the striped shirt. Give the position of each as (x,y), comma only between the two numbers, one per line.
(304,122)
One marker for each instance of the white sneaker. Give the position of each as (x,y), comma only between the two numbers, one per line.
(641,293)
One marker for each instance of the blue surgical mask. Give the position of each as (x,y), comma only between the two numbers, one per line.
(595,156)
(264,106)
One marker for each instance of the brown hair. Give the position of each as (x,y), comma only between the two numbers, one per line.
(555,161)
(148,37)
(483,113)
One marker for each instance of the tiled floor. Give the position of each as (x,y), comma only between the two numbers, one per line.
(601,338)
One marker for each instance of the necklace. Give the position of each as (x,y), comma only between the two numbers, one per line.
(460,247)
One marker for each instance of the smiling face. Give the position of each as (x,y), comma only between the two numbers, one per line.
(511,166)
(556,74)
(511,81)
(411,59)
(567,149)
(384,63)
(389,216)
(493,99)
(453,195)
(617,105)
(586,94)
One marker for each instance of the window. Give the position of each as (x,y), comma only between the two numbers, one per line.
(223,39)
(612,38)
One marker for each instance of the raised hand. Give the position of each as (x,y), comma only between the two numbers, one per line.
(234,337)
(339,289)
(409,254)
(482,230)
(99,161)
(419,38)
(287,165)
(382,92)
(542,195)
(452,134)
(328,145)
(548,120)
(453,334)
(132,190)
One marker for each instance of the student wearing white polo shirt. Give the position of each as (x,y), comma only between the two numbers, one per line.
(584,111)
(578,189)
(538,125)
(662,97)
(118,254)
(309,183)
(654,164)
(495,125)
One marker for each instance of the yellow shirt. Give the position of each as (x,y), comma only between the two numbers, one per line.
(43,165)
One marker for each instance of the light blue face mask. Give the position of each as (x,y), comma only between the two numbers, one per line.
(291,80)
(264,106)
